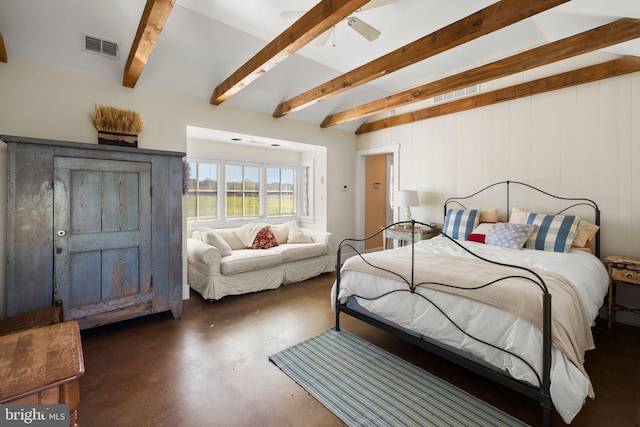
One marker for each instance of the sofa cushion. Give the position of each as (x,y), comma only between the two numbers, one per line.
(242,260)
(296,251)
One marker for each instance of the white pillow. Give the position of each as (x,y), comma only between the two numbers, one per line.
(281,231)
(296,235)
(214,239)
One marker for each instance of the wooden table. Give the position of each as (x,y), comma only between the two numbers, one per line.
(42,366)
(404,235)
(623,270)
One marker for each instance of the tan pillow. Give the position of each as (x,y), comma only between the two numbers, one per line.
(586,231)
(214,239)
(281,231)
(489,215)
(296,235)
(227,235)
(518,216)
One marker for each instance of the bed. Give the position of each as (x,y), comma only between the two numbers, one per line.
(506,292)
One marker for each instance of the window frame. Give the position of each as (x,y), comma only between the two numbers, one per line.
(298,167)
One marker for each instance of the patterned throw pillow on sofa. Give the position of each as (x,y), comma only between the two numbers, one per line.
(265,239)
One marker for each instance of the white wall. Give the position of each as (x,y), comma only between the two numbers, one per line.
(46,102)
(581,141)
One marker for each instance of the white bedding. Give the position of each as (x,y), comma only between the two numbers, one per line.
(569,387)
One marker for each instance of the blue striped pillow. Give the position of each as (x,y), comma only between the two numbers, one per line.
(555,232)
(460,223)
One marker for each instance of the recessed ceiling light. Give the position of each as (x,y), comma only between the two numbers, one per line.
(275,145)
(236,139)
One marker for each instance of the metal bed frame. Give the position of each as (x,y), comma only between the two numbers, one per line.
(540,393)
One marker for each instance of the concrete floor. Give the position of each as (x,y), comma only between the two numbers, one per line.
(211,367)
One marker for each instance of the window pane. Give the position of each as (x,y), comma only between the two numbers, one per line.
(234,204)
(192,208)
(288,204)
(288,179)
(207,206)
(273,204)
(234,177)
(251,178)
(252,204)
(207,176)
(191,176)
(273,179)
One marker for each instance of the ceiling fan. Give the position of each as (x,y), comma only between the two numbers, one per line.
(361,27)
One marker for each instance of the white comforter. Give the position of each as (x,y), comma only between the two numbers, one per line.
(569,387)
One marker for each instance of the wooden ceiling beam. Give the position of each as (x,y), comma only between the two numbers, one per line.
(312,24)
(619,31)
(617,67)
(154,17)
(494,17)
(3,51)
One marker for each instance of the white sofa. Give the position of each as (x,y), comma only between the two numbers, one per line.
(216,269)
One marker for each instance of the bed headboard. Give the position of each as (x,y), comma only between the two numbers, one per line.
(528,197)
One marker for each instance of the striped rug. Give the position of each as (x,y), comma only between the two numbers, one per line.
(364,385)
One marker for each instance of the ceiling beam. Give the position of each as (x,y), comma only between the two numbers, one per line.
(154,17)
(619,31)
(494,17)
(3,50)
(312,24)
(617,67)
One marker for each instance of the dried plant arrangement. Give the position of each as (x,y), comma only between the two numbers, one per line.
(116,126)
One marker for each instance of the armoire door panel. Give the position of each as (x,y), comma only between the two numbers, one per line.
(102,214)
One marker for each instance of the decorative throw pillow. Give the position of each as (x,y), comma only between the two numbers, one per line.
(585,233)
(512,236)
(460,223)
(248,232)
(281,231)
(489,215)
(479,234)
(518,216)
(214,239)
(555,232)
(296,235)
(265,239)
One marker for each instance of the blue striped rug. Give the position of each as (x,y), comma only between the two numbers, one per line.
(364,385)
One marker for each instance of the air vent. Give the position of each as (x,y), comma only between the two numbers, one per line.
(100,45)
(457,94)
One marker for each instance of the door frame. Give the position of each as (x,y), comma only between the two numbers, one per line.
(360,184)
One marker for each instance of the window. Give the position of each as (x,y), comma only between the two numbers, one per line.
(243,191)
(281,199)
(248,190)
(306,189)
(202,191)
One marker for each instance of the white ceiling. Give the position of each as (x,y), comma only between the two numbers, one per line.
(204,41)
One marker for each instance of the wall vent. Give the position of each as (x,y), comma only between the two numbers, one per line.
(461,93)
(100,45)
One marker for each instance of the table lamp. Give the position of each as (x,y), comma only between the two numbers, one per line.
(407,198)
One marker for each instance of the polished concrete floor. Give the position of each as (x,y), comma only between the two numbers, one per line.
(211,367)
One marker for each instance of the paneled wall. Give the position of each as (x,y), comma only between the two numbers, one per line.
(582,141)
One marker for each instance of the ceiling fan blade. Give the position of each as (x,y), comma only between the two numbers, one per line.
(364,29)
(292,14)
(323,38)
(377,3)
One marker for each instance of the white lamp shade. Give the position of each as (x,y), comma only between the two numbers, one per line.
(407,198)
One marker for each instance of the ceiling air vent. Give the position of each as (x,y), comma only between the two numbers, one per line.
(100,46)
(456,94)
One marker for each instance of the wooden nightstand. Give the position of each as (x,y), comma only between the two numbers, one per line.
(404,235)
(624,270)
